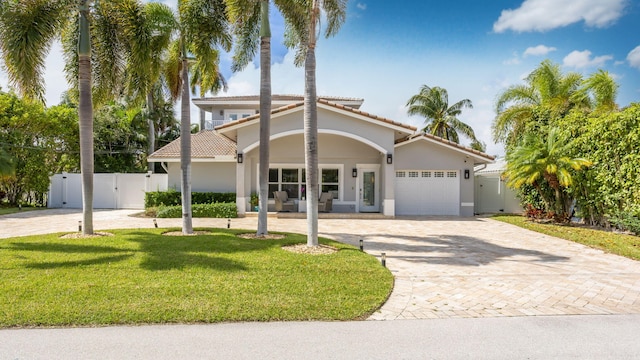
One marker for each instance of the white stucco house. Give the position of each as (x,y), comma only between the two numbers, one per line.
(369,163)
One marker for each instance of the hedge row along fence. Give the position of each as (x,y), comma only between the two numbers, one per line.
(174,198)
(168,204)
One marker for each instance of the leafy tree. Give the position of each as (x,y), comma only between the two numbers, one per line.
(535,162)
(441,120)
(303,37)
(545,87)
(42,21)
(202,27)
(6,163)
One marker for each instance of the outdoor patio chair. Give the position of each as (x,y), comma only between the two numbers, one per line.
(282,201)
(325,202)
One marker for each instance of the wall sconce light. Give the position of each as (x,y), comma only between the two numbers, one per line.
(389,159)
(240,158)
(466,174)
(221,112)
(354,172)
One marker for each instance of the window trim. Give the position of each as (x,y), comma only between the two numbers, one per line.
(280,166)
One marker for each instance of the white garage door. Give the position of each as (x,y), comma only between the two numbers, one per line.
(420,192)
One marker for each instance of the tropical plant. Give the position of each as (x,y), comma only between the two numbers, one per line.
(545,87)
(202,28)
(536,162)
(147,29)
(41,22)
(441,120)
(303,37)
(251,26)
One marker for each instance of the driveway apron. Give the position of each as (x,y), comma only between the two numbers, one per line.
(444,267)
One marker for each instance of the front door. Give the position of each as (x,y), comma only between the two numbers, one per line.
(369,192)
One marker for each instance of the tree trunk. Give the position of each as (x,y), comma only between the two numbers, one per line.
(185,148)
(311,131)
(265,117)
(85,115)
(151,137)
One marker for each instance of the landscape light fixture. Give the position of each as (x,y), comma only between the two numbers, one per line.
(383,259)
(155,223)
(361,244)
(79,225)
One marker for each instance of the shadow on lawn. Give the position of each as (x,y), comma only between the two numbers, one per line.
(159,252)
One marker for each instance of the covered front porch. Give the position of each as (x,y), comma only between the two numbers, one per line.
(352,169)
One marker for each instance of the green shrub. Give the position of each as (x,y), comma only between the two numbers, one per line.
(215,210)
(626,221)
(174,198)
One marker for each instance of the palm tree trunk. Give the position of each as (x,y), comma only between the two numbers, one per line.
(185,148)
(85,115)
(151,136)
(311,130)
(265,116)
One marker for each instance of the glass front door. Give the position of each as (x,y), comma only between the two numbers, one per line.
(369,191)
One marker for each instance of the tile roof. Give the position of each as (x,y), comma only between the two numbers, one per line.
(321,101)
(205,144)
(277,97)
(446,142)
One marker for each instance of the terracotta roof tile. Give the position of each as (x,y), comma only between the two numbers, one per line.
(205,144)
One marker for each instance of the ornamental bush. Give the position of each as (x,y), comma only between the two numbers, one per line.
(173,197)
(214,210)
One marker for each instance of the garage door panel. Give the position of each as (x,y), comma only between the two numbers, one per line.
(428,193)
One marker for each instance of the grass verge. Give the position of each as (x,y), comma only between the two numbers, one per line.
(13,210)
(619,244)
(141,276)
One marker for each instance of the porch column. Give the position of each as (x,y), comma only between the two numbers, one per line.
(241,193)
(389,204)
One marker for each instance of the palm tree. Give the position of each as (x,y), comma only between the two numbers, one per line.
(599,91)
(441,120)
(546,87)
(41,22)
(251,20)
(202,28)
(535,162)
(303,37)
(147,29)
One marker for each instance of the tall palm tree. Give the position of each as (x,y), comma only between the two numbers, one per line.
(599,91)
(441,120)
(536,161)
(203,26)
(546,87)
(251,21)
(147,29)
(304,37)
(41,22)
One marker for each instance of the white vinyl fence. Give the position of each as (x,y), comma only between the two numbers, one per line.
(110,191)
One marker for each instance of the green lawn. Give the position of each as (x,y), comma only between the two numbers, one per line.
(12,210)
(620,244)
(142,276)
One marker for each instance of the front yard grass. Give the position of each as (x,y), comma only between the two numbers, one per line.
(619,244)
(142,276)
(13,210)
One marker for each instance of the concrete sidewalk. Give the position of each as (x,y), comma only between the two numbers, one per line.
(444,267)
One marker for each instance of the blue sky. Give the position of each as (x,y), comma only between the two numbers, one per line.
(475,49)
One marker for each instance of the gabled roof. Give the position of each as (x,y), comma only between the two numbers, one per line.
(276,100)
(408,129)
(484,158)
(205,146)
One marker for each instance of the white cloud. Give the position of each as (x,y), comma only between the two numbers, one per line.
(634,57)
(539,50)
(543,15)
(582,59)
(361,6)
(515,60)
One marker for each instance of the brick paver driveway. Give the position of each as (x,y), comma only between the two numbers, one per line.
(444,267)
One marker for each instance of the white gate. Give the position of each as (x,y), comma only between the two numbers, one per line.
(110,191)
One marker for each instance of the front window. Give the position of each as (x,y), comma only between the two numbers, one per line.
(293,181)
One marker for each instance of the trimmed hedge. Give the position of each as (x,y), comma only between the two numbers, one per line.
(216,210)
(174,198)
